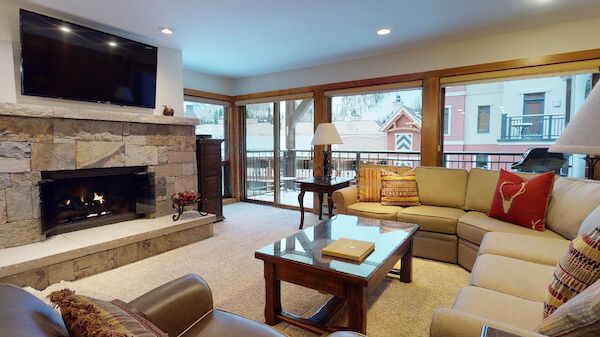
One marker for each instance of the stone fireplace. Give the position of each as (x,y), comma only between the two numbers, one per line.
(80,160)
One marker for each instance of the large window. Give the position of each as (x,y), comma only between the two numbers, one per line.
(212,119)
(377,128)
(494,123)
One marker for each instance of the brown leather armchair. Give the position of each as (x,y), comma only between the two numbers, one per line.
(182,307)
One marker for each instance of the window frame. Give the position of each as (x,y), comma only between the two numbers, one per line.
(538,100)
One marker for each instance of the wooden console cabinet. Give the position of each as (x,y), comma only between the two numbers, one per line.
(210,184)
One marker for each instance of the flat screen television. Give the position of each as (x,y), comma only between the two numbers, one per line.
(60,59)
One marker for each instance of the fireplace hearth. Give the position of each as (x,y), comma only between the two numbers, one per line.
(79,199)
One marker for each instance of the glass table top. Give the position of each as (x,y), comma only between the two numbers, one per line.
(305,246)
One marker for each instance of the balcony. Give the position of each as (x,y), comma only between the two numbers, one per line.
(539,128)
(260,168)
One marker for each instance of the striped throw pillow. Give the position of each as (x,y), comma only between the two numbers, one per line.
(579,317)
(86,316)
(399,189)
(577,269)
(369,184)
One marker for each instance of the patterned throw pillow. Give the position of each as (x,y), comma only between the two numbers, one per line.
(89,317)
(522,201)
(369,184)
(577,269)
(579,317)
(399,189)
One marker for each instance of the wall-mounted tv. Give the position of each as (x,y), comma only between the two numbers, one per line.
(60,59)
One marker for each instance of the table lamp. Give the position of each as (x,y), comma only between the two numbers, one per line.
(326,134)
(582,134)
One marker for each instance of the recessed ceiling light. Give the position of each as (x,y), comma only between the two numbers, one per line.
(166,30)
(65,29)
(112,44)
(384,31)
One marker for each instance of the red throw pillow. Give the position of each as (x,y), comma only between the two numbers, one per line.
(522,201)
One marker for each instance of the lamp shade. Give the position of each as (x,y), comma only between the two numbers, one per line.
(326,134)
(582,134)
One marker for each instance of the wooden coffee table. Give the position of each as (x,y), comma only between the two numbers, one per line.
(297,259)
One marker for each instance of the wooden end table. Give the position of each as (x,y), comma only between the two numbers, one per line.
(298,259)
(320,185)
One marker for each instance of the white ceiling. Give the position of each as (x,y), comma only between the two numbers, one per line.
(240,38)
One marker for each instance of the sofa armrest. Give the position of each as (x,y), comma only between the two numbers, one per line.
(454,323)
(176,305)
(344,197)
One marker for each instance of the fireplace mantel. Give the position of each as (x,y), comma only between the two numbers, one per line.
(41,111)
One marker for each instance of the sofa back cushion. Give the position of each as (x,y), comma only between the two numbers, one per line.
(369,180)
(440,186)
(481,187)
(571,202)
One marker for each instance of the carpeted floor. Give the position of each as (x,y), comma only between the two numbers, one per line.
(227,262)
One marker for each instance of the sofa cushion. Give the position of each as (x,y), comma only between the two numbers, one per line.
(474,225)
(572,201)
(499,307)
(541,250)
(481,186)
(522,201)
(440,186)
(580,316)
(373,210)
(590,222)
(399,189)
(578,269)
(432,218)
(510,276)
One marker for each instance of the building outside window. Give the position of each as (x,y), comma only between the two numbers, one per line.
(493,123)
(483,119)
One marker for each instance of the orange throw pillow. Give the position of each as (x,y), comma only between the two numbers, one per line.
(522,201)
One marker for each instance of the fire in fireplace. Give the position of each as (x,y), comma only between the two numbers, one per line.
(78,199)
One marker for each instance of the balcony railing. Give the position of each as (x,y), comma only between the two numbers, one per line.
(532,127)
(260,165)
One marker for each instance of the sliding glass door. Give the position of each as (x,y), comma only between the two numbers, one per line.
(278,150)
(260,152)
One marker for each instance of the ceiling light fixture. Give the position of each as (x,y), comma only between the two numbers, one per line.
(112,44)
(65,29)
(166,30)
(384,31)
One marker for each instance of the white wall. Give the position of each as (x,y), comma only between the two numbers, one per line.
(209,83)
(169,85)
(559,38)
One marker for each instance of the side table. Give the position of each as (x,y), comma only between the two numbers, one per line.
(320,185)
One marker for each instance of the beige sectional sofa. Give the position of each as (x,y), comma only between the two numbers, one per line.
(511,266)
(453,216)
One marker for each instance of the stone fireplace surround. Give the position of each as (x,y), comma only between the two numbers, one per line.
(36,138)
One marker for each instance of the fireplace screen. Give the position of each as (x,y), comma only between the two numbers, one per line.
(79,199)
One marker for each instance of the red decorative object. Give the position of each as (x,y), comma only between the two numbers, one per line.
(168,111)
(182,199)
(522,201)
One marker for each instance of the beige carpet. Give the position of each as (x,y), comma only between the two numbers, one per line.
(227,262)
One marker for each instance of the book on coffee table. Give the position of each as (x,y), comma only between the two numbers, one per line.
(348,249)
